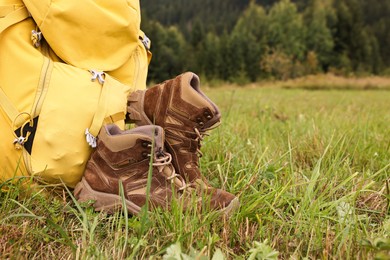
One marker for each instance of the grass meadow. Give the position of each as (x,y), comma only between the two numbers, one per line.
(310,164)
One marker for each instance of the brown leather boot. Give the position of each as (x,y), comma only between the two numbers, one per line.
(124,157)
(186,113)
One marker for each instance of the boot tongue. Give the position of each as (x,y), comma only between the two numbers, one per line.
(157,133)
(158,138)
(192,94)
(153,132)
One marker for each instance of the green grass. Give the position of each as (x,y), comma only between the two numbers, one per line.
(311,169)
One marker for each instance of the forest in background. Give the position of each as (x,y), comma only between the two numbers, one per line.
(245,41)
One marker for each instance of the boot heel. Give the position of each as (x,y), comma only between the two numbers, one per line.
(134,106)
(80,191)
(102,201)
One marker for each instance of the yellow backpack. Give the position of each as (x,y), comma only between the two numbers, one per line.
(66,69)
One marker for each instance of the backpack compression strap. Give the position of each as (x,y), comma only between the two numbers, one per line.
(26,124)
(110,88)
(14,17)
(9,109)
(10,19)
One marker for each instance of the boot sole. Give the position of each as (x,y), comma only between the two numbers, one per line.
(103,201)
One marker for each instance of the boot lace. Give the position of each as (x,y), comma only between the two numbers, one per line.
(200,136)
(162,160)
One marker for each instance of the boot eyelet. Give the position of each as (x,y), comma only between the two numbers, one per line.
(207,115)
(200,122)
(145,144)
(145,154)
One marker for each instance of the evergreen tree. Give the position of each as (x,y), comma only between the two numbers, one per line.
(197,33)
(251,28)
(168,48)
(224,70)
(210,56)
(319,40)
(235,59)
(377,17)
(354,39)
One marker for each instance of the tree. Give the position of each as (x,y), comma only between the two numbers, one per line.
(210,56)
(239,39)
(377,17)
(251,28)
(319,40)
(286,30)
(197,33)
(353,38)
(169,58)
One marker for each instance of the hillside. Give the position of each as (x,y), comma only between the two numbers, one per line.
(244,40)
(216,15)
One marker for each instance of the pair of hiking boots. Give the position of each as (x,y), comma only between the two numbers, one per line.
(172,119)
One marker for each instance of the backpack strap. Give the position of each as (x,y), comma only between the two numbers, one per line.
(14,17)
(6,21)
(7,106)
(110,86)
(18,119)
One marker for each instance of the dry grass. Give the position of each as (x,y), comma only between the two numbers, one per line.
(317,82)
(331,81)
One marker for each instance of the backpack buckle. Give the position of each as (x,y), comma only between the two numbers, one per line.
(36,38)
(145,41)
(99,75)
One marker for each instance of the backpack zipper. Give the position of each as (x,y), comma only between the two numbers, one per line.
(43,86)
(41,91)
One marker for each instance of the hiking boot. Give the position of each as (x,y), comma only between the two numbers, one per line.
(186,114)
(123,158)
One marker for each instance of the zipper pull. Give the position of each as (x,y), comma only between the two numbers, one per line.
(91,140)
(19,141)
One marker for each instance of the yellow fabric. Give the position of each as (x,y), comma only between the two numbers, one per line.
(7,106)
(39,83)
(134,71)
(60,141)
(89,34)
(13,17)
(11,160)
(112,98)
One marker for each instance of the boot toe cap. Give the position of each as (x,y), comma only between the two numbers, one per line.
(224,201)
